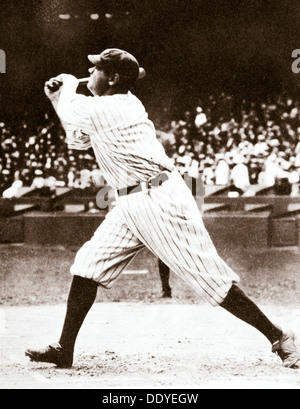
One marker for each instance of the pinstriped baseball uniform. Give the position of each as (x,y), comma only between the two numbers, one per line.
(165,219)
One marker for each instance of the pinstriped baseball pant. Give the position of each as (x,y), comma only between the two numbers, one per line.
(167,220)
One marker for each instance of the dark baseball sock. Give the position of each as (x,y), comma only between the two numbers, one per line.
(81,298)
(238,304)
(164,273)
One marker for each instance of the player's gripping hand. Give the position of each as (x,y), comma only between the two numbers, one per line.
(54,84)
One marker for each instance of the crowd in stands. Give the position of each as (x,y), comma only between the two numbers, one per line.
(38,158)
(242,143)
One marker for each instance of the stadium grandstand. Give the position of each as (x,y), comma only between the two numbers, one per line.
(229,117)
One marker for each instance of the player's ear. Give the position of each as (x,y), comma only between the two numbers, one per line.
(114,79)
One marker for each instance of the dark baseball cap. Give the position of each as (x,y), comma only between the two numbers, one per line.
(120,62)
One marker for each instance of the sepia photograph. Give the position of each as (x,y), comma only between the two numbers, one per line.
(149,197)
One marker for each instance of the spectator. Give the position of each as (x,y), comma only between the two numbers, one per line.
(222,173)
(97,178)
(85,179)
(240,174)
(201,118)
(208,173)
(16,188)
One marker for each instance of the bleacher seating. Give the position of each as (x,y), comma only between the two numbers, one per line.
(247,221)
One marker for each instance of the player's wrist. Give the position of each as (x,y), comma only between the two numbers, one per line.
(68,80)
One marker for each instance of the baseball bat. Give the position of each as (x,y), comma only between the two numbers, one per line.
(55,85)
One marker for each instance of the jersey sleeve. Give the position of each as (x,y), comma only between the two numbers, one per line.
(75,118)
(72,109)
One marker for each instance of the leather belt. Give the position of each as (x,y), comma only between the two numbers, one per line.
(144,186)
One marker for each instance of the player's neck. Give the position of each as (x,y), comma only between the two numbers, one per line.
(116,90)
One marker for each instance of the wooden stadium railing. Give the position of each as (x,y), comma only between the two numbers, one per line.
(279,206)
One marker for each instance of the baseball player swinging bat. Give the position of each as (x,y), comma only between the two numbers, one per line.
(154,208)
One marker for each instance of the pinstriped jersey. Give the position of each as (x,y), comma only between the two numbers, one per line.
(118,129)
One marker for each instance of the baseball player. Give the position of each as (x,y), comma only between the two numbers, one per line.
(155,208)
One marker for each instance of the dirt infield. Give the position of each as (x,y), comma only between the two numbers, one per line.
(134,339)
(145,346)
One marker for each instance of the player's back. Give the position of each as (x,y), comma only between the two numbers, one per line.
(124,140)
(120,118)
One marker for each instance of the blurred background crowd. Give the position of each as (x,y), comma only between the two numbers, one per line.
(37,157)
(241,144)
(213,72)
(253,143)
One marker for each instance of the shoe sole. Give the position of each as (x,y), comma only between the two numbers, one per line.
(33,359)
(296,363)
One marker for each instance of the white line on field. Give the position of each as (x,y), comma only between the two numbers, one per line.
(137,272)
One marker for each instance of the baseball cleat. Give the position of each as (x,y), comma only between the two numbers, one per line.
(52,354)
(286,349)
